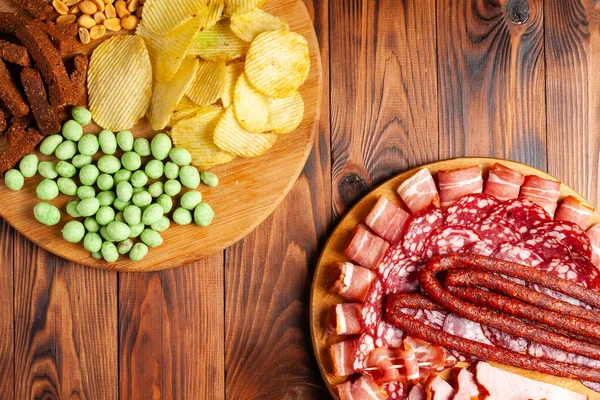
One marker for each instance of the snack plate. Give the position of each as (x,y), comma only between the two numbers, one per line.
(321,300)
(249,189)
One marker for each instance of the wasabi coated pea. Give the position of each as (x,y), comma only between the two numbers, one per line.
(97,255)
(132,214)
(105,215)
(151,238)
(47,169)
(142,199)
(180,156)
(182,216)
(65,169)
(46,214)
(171,170)
(46,189)
(191,199)
(124,191)
(142,147)
(73,231)
(203,214)
(161,146)
(91,225)
(166,202)
(66,150)
(120,205)
(88,207)
(125,140)
(138,189)
(80,160)
(81,115)
(156,189)
(72,209)
(49,145)
(119,217)
(125,246)
(67,186)
(104,233)
(106,197)
(161,225)
(72,130)
(136,230)
(92,242)
(154,169)
(151,214)
(122,175)
(109,252)
(189,177)
(209,178)
(13,179)
(28,165)
(85,192)
(118,231)
(109,164)
(131,161)
(105,182)
(138,251)
(172,187)
(88,174)
(108,141)
(88,145)
(139,179)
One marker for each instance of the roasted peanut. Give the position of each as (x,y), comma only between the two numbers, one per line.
(71,3)
(121,8)
(139,12)
(87,7)
(60,7)
(130,22)
(86,21)
(110,12)
(84,35)
(66,19)
(97,32)
(74,9)
(99,17)
(133,5)
(99,4)
(113,24)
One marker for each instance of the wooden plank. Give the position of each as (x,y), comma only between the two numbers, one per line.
(7,333)
(383,93)
(573,55)
(171,332)
(491,79)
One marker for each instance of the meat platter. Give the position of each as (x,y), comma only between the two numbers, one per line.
(477,263)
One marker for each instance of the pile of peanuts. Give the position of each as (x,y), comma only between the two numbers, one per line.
(95,17)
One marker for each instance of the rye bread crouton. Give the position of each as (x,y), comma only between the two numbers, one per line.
(38,8)
(23,143)
(46,116)
(14,53)
(10,94)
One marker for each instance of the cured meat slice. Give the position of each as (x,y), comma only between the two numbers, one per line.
(438,388)
(504,385)
(496,231)
(381,360)
(521,253)
(449,239)
(419,192)
(521,213)
(388,335)
(350,281)
(342,357)
(365,344)
(504,340)
(574,210)
(395,390)
(567,270)
(364,388)
(432,318)
(543,192)
(365,248)
(417,393)
(503,183)
(419,229)
(387,220)
(568,233)
(430,357)
(459,182)
(373,307)
(465,385)
(345,319)
(549,247)
(402,278)
(459,326)
(481,248)
(470,209)
(594,235)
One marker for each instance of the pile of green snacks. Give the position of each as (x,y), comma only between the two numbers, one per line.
(122,188)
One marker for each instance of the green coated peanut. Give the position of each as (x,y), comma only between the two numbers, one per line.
(136,230)
(46,189)
(106,197)
(47,169)
(161,146)
(152,213)
(28,165)
(85,192)
(72,209)
(104,233)
(172,187)
(120,205)
(132,214)
(81,115)
(65,169)
(189,177)
(151,238)
(191,199)
(88,145)
(154,169)
(142,147)
(171,170)
(14,180)
(122,175)
(209,178)
(139,179)
(108,141)
(97,255)
(142,199)
(125,246)
(117,230)
(105,215)
(109,252)
(182,216)
(180,156)
(165,201)
(46,214)
(124,191)
(72,130)
(80,160)
(66,150)
(88,174)
(92,242)
(67,186)
(109,164)
(73,231)
(119,217)
(161,225)
(49,145)
(203,214)
(125,140)
(138,252)
(138,189)
(88,207)
(91,225)
(105,182)
(131,161)
(156,189)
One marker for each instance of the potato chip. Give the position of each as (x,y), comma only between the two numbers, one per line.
(218,43)
(164,16)
(249,25)
(166,96)
(179,115)
(231,137)
(208,84)
(185,104)
(196,135)
(119,82)
(277,63)
(214,14)
(167,52)
(234,70)
(285,114)
(241,6)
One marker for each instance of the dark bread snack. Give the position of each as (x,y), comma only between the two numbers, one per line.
(14,53)
(38,8)
(10,23)
(63,36)
(79,79)
(3,116)
(46,116)
(23,142)
(10,94)
(17,126)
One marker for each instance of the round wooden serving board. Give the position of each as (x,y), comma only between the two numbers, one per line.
(249,189)
(322,300)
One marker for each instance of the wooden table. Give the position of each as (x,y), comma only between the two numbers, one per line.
(406,82)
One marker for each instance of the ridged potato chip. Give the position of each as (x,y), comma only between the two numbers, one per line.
(167,52)
(241,6)
(232,138)
(166,96)
(214,14)
(185,104)
(234,70)
(196,135)
(249,25)
(119,82)
(218,43)
(179,115)
(208,84)
(164,16)
(285,114)
(277,63)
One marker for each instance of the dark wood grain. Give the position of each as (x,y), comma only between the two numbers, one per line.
(491,79)
(383,92)
(7,333)
(573,56)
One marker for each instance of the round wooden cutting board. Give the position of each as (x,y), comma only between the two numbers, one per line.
(249,189)
(322,300)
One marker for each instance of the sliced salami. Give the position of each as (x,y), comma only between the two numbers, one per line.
(395,390)
(470,209)
(549,247)
(449,239)
(365,344)
(373,307)
(388,335)
(568,233)
(418,231)
(496,231)
(481,248)
(521,253)
(564,269)
(433,318)
(459,326)
(399,272)
(521,213)
(504,340)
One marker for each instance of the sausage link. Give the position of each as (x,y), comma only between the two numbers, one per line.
(410,300)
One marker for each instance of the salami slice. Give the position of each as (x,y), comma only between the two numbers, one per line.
(418,231)
(521,213)
(470,209)
(449,239)
(504,340)
(549,247)
(373,307)
(399,272)
(521,253)
(388,335)
(433,318)
(496,231)
(567,270)
(395,390)
(568,233)
(459,326)
(365,344)
(481,248)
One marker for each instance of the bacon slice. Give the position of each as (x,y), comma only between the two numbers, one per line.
(465,385)
(419,192)
(459,182)
(430,357)
(438,388)
(574,210)
(543,192)
(504,183)
(366,248)
(594,235)
(365,388)
(342,357)
(345,319)
(350,281)
(387,220)
(381,358)
(417,393)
